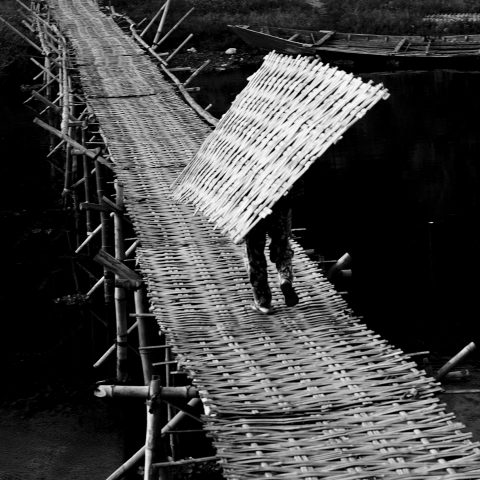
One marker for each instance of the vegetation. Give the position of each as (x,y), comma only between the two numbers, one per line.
(11,47)
(210,17)
(397,16)
(209,20)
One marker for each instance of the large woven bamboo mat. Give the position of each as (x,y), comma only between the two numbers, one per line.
(308,392)
(291,111)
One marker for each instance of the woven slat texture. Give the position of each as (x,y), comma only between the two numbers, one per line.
(292,110)
(309,392)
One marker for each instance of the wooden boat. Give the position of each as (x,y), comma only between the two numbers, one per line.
(328,43)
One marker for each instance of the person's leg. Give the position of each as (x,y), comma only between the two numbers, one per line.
(281,252)
(257,268)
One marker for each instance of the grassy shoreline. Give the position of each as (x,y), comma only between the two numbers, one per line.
(208,21)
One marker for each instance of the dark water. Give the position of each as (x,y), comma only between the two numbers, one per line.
(400,193)
(51,426)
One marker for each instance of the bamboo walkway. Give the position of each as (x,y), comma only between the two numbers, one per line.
(307,393)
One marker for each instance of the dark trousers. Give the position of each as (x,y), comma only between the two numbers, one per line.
(278,226)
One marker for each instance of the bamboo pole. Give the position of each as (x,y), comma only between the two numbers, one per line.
(53,77)
(102,359)
(86,187)
(152,21)
(128,465)
(121,313)
(179,48)
(186,462)
(196,72)
(145,45)
(153,431)
(162,22)
(161,40)
(139,297)
(90,153)
(101,281)
(137,456)
(144,392)
(90,236)
(108,278)
(455,360)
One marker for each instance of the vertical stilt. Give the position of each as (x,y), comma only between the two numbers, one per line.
(120,294)
(153,436)
(86,186)
(108,276)
(143,335)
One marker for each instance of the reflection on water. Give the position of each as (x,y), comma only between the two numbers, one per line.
(400,192)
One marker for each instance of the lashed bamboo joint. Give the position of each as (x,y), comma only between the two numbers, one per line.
(292,110)
(308,393)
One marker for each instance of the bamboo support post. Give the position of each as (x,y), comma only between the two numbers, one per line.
(86,187)
(455,360)
(161,24)
(121,313)
(196,72)
(153,430)
(132,461)
(152,21)
(161,40)
(179,48)
(108,278)
(139,298)
(146,46)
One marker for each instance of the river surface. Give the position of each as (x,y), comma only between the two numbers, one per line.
(400,193)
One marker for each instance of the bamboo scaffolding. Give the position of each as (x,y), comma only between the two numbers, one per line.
(45,70)
(91,154)
(132,461)
(162,22)
(177,24)
(189,37)
(153,20)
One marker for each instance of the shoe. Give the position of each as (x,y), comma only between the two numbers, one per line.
(264,309)
(291,297)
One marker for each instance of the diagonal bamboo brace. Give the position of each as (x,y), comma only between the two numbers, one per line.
(127,276)
(73,143)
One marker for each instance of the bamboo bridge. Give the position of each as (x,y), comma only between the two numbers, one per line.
(308,392)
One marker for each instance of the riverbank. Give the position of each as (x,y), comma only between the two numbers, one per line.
(209,19)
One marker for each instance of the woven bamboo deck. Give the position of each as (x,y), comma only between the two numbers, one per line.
(307,393)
